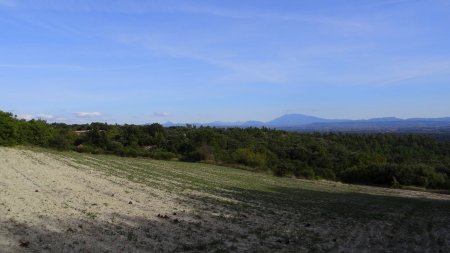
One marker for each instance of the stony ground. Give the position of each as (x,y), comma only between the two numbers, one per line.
(69,202)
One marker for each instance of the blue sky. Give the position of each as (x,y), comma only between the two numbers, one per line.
(198,61)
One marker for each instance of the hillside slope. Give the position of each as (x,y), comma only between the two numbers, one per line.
(70,202)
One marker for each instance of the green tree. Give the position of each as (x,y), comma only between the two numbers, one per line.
(9,129)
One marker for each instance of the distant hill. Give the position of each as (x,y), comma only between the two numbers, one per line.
(253,123)
(288,120)
(446,119)
(307,123)
(385,119)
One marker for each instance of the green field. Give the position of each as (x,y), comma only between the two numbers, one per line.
(196,207)
(283,214)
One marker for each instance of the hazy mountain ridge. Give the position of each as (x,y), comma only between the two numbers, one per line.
(301,122)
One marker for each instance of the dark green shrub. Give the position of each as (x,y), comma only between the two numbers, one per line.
(9,129)
(250,158)
(163,155)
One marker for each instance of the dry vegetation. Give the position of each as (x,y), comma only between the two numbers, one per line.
(68,202)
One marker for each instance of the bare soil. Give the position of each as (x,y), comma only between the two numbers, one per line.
(57,203)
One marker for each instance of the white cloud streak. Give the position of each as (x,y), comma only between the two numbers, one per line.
(240,70)
(161,114)
(28,117)
(404,73)
(275,16)
(139,7)
(88,114)
(45,116)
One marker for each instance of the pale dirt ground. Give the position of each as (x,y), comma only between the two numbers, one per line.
(58,208)
(49,205)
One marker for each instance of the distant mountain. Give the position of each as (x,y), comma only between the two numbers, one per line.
(446,119)
(171,124)
(385,125)
(222,124)
(306,123)
(253,123)
(287,120)
(385,119)
(294,120)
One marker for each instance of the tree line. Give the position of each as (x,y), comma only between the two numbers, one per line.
(376,159)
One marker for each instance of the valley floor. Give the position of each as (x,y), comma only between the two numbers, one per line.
(68,202)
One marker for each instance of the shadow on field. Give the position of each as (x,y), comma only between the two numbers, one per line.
(177,233)
(277,219)
(320,221)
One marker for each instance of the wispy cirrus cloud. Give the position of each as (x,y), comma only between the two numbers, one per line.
(8,3)
(238,68)
(404,72)
(139,7)
(274,16)
(44,66)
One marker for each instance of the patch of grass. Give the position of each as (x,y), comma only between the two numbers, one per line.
(278,214)
(89,214)
(131,236)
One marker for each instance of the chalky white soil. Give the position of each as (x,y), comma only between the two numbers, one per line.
(48,206)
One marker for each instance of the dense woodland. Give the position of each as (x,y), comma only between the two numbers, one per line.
(377,159)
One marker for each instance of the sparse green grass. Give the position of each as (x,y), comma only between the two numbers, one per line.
(282,214)
(131,236)
(89,214)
